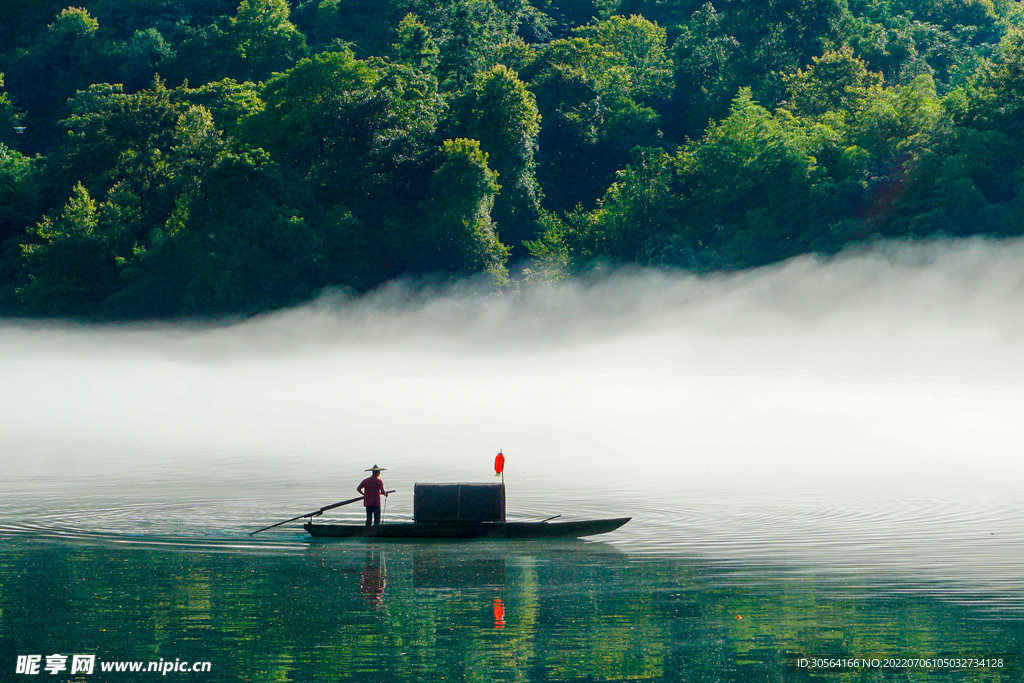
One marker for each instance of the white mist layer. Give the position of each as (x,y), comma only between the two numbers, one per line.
(897,367)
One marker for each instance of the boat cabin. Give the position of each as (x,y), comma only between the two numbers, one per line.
(434,503)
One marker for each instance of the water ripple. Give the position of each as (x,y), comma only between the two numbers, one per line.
(968,551)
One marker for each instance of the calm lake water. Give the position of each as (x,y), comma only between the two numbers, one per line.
(822,463)
(738,588)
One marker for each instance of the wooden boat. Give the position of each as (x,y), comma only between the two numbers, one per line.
(464,530)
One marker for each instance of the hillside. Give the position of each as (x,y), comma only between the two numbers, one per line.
(170,158)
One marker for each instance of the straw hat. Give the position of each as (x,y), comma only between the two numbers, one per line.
(377,469)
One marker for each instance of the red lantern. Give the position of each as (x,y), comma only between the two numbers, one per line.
(499,463)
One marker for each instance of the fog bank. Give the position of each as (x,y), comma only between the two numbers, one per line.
(900,365)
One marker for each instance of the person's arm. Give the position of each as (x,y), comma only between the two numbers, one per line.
(381,485)
(359,489)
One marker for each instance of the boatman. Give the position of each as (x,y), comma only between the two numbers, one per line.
(371,488)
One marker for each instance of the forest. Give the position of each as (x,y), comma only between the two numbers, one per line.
(168,159)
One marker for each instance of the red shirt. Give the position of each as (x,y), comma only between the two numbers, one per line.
(371,488)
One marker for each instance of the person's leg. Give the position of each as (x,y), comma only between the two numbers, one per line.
(369,515)
(376,515)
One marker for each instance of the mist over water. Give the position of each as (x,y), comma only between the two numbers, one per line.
(869,404)
(901,364)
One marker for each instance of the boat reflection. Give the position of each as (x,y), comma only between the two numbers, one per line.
(489,584)
(437,568)
(440,568)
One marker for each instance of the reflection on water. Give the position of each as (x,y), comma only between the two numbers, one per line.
(375,577)
(499,613)
(434,567)
(523,611)
(966,550)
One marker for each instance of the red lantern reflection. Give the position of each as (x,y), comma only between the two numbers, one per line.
(499,613)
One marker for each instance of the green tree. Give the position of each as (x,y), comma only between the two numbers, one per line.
(780,36)
(836,81)
(19,189)
(951,179)
(638,63)
(947,40)
(502,115)
(707,63)
(138,59)
(640,210)
(415,45)
(265,40)
(746,187)
(591,92)
(67,58)
(365,26)
(72,29)
(307,120)
(470,36)
(997,98)
(358,131)
(150,153)
(898,121)
(115,137)
(237,243)
(462,237)
(195,147)
(228,101)
(10,118)
(68,266)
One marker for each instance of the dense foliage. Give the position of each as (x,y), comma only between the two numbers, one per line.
(161,158)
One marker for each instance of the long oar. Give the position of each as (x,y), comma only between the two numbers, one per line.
(308,514)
